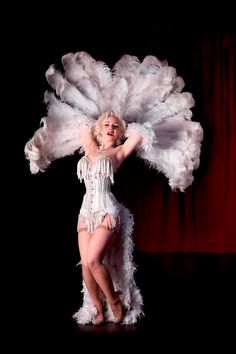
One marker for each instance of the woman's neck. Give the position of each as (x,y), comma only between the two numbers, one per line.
(107,146)
(102,149)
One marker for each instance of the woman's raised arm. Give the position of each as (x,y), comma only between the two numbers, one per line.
(134,140)
(87,138)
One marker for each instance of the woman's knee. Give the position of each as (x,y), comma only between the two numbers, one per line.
(93,263)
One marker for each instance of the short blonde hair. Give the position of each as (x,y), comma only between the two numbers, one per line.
(98,124)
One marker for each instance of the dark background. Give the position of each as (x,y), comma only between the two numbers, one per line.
(44,282)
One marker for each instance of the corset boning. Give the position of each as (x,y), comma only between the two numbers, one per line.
(98,199)
(98,195)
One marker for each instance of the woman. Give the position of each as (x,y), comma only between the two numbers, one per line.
(148,96)
(100,221)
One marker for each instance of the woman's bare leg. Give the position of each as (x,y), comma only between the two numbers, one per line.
(100,242)
(93,288)
(93,248)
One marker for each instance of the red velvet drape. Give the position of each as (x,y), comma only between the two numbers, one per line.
(203,218)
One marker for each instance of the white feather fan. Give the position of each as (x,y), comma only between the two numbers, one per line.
(147,94)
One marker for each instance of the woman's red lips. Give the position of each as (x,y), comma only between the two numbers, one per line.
(110,133)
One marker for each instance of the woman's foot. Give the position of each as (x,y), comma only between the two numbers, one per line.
(98,318)
(117,310)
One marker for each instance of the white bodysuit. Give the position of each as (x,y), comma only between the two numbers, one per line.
(99,204)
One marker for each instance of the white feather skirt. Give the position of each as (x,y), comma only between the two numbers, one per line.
(120,264)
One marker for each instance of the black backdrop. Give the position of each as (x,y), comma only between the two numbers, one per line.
(43,208)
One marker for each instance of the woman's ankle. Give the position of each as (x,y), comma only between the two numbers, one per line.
(116,308)
(98,317)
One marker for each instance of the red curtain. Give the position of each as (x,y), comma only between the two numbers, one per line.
(203,218)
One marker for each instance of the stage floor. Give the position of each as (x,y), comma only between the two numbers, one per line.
(187,297)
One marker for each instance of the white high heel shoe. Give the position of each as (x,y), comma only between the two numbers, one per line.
(117,309)
(98,318)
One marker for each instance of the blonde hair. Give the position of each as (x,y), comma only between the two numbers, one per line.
(98,124)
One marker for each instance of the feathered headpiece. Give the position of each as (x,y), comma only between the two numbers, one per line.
(147,95)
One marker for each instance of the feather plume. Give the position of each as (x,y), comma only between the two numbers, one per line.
(147,93)
(69,93)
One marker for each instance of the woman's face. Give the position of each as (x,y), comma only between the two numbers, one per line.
(111,129)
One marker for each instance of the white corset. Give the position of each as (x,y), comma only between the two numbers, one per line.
(98,200)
